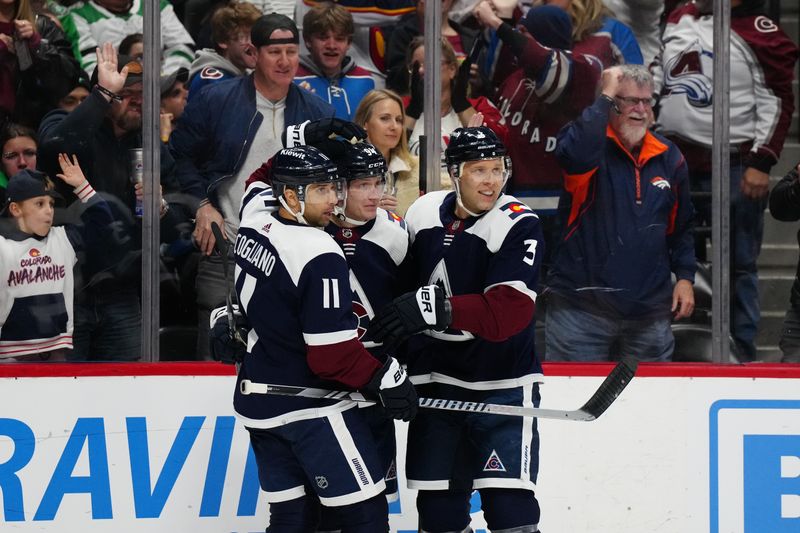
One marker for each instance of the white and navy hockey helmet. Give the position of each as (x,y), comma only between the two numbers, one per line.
(301,166)
(360,160)
(357,161)
(474,144)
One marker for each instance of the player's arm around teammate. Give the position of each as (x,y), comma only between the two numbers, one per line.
(293,286)
(477,253)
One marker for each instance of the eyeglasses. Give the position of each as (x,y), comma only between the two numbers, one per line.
(12,156)
(632,101)
(128,93)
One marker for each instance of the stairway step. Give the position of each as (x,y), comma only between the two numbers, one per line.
(776,255)
(777,232)
(769,329)
(790,155)
(768,354)
(774,293)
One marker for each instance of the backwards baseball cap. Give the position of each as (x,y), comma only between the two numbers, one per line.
(134,70)
(27,184)
(550,26)
(261,32)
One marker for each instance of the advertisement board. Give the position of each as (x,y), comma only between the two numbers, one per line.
(682,449)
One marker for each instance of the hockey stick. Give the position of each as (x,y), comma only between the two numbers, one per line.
(222,245)
(603,397)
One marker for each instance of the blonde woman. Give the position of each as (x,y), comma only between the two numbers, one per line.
(596,32)
(381,114)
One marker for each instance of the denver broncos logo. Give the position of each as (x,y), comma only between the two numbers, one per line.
(661,183)
(34,252)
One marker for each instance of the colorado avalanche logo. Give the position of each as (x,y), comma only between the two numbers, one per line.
(34,252)
(362,316)
(392,473)
(765,25)
(307,86)
(683,74)
(661,183)
(494,464)
(211,73)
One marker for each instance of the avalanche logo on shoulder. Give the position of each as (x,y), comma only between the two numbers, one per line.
(211,73)
(754,466)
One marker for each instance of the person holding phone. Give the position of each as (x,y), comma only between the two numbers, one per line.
(36,64)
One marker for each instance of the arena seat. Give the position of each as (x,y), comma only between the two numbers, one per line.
(177,343)
(693,344)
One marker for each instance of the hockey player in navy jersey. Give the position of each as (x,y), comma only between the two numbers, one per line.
(293,285)
(37,260)
(478,251)
(375,244)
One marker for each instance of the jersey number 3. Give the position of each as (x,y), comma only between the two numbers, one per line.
(330,293)
(530,251)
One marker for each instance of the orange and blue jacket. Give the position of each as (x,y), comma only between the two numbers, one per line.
(626,220)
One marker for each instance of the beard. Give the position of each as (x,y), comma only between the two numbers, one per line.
(632,135)
(129,121)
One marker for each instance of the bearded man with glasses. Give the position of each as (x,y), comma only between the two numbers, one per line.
(102,131)
(627,227)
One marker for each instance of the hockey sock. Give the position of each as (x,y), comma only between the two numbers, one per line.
(295,516)
(510,510)
(369,516)
(329,521)
(443,511)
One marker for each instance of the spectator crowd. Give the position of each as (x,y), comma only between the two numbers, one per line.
(605,110)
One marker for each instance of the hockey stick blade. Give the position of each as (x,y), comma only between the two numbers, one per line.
(609,390)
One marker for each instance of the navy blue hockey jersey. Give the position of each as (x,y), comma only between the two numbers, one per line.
(473,256)
(375,253)
(292,283)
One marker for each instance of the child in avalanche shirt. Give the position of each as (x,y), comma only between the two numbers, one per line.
(36,260)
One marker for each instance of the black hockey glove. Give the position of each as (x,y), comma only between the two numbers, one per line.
(228,346)
(415,105)
(413,312)
(396,393)
(314,132)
